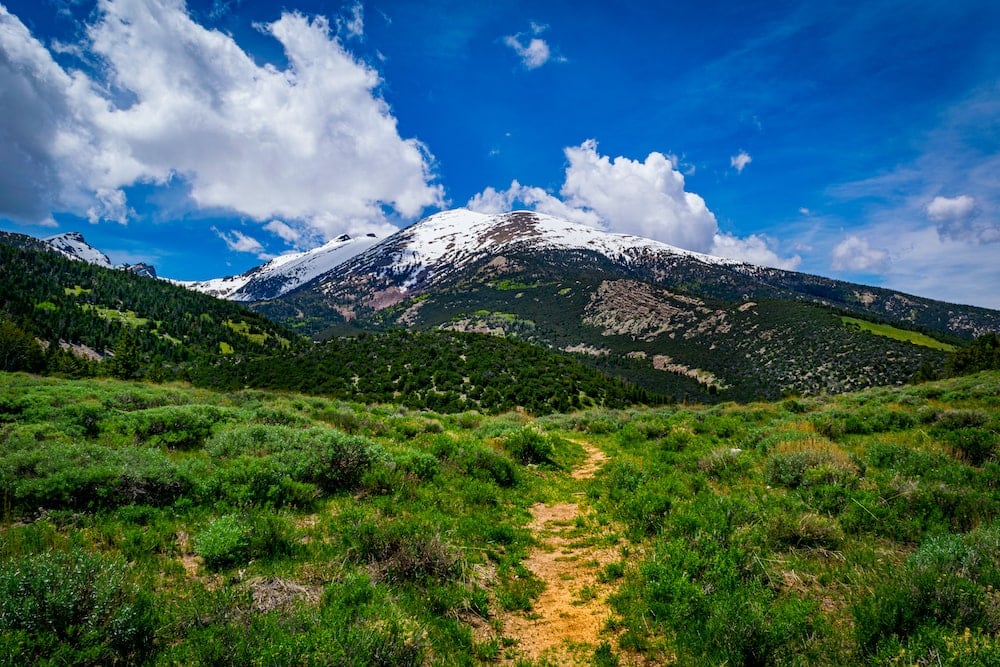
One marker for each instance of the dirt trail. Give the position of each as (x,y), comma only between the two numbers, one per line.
(565,623)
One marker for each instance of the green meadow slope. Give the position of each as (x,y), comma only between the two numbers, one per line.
(165,524)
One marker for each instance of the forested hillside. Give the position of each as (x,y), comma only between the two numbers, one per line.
(439,370)
(151,327)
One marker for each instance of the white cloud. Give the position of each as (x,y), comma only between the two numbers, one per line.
(354,25)
(531,49)
(240,242)
(312,142)
(109,205)
(944,209)
(284,231)
(958,218)
(755,249)
(740,161)
(646,198)
(856,254)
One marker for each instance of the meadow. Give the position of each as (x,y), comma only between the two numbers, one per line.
(165,524)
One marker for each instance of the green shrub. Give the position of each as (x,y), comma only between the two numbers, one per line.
(950,582)
(975,445)
(172,426)
(56,475)
(864,421)
(73,608)
(232,540)
(401,550)
(527,445)
(250,481)
(330,459)
(487,464)
(422,465)
(794,468)
(225,542)
(724,463)
(805,530)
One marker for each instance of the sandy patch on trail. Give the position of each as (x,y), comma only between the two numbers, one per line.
(565,623)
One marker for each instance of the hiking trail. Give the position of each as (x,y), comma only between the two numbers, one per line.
(565,623)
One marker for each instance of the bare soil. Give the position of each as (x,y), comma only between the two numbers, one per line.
(566,622)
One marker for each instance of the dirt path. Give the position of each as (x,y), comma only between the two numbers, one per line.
(565,623)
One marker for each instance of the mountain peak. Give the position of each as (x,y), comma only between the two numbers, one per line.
(73,245)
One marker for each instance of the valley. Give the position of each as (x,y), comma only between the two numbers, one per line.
(553,455)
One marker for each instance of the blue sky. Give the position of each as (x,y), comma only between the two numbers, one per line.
(857,140)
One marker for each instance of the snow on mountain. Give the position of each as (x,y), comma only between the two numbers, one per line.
(284,273)
(446,242)
(72,245)
(463,233)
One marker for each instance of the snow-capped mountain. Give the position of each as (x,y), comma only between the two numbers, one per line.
(448,242)
(449,245)
(457,248)
(72,245)
(285,273)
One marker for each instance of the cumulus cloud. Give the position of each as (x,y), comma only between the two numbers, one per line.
(856,254)
(754,249)
(312,142)
(283,231)
(943,209)
(958,218)
(530,48)
(646,198)
(109,205)
(239,242)
(740,161)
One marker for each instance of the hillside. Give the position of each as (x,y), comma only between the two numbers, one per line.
(437,370)
(680,324)
(81,311)
(97,320)
(249,528)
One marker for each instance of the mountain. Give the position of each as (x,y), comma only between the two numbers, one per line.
(88,311)
(73,246)
(462,245)
(285,273)
(677,322)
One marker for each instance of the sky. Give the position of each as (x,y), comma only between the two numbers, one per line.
(855,140)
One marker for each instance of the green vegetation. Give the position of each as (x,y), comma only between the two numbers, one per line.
(898,334)
(165,524)
(84,316)
(440,370)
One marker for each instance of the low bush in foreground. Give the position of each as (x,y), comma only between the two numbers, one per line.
(72,607)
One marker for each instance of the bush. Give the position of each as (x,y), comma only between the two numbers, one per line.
(73,608)
(330,459)
(232,540)
(259,481)
(950,581)
(795,468)
(974,445)
(401,550)
(806,530)
(55,475)
(172,426)
(834,424)
(487,464)
(529,446)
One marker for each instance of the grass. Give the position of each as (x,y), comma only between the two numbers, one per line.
(894,333)
(244,329)
(252,527)
(112,315)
